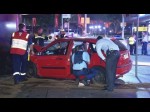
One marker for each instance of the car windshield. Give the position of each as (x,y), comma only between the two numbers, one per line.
(121,46)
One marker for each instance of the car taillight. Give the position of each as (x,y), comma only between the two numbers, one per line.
(125,56)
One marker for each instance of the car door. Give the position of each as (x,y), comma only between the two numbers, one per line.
(53,61)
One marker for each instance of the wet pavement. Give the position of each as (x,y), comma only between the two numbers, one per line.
(127,86)
(52,88)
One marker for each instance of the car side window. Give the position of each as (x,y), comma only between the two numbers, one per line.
(59,48)
(92,47)
(121,46)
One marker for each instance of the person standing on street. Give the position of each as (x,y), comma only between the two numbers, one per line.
(144,43)
(20,41)
(132,44)
(112,53)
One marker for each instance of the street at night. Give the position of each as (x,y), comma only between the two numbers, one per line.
(46,56)
(128,86)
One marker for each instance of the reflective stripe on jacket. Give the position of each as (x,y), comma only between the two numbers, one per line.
(19,43)
(131,40)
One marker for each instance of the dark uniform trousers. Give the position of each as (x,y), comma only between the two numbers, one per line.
(19,62)
(132,49)
(112,58)
(144,48)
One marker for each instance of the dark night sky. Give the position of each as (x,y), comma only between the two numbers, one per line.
(92,16)
(104,16)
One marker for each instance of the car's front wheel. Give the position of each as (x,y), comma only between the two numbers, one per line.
(32,70)
(100,76)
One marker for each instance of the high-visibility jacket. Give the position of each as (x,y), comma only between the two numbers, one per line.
(19,43)
(37,36)
(39,40)
(131,40)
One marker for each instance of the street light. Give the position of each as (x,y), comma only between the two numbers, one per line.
(96,26)
(91,27)
(99,26)
(141,15)
(104,28)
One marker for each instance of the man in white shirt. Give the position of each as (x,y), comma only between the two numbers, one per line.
(111,50)
(80,60)
(144,43)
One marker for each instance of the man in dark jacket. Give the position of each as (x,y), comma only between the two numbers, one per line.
(38,39)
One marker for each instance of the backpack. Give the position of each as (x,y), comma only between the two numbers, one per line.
(78,57)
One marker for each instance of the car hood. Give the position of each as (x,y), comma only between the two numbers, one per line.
(38,48)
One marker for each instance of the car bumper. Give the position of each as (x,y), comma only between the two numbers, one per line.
(121,70)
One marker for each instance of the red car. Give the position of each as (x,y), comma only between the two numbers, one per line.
(54,60)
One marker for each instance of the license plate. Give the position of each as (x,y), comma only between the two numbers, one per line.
(126,56)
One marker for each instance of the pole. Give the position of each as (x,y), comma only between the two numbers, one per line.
(85,23)
(62,21)
(123,26)
(132,28)
(68,27)
(136,56)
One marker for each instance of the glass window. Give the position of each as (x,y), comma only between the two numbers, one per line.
(59,48)
(84,44)
(121,46)
(92,47)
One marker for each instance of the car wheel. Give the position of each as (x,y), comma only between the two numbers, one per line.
(100,76)
(32,70)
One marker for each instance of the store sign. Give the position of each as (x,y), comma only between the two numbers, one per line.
(121,24)
(66,15)
(141,28)
(87,20)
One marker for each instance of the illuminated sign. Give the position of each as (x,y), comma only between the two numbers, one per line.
(87,20)
(140,28)
(66,15)
(121,24)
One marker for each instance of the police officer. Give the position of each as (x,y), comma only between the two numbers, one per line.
(112,56)
(80,60)
(144,43)
(132,44)
(20,42)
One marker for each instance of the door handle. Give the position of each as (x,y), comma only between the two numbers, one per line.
(59,58)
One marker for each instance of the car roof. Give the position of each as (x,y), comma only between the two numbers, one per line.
(81,39)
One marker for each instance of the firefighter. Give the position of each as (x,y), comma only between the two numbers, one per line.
(20,42)
(38,39)
(132,44)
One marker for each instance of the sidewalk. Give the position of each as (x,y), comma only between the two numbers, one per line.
(143,74)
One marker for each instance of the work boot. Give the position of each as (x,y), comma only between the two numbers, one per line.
(16,79)
(86,82)
(23,78)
